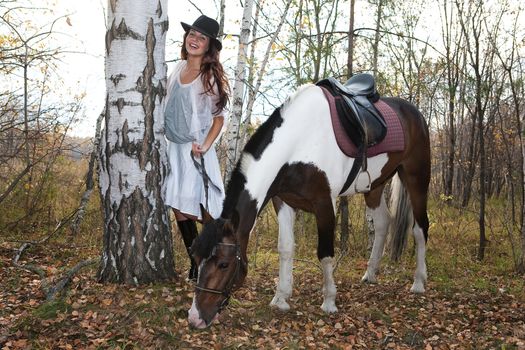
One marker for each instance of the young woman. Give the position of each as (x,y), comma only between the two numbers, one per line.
(197,93)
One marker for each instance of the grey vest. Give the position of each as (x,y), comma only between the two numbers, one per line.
(178,110)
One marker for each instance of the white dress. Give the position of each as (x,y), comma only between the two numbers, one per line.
(184,184)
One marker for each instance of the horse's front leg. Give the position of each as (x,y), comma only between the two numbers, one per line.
(378,210)
(325,252)
(286,247)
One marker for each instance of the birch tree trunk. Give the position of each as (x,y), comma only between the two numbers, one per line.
(222,17)
(233,137)
(137,243)
(252,67)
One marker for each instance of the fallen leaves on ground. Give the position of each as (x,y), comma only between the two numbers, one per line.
(382,316)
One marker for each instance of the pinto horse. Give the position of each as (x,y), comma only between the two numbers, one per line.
(293,159)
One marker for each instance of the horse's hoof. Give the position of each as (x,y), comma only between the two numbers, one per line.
(280,303)
(418,288)
(329,308)
(369,278)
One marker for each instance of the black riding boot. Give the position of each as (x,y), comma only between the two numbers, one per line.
(188,229)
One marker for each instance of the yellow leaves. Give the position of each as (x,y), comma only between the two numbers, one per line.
(445,198)
(306,22)
(9,41)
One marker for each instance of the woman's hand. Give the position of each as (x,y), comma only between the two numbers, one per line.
(215,129)
(199,150)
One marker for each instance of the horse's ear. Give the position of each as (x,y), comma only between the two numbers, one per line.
(206,217)
(231,224)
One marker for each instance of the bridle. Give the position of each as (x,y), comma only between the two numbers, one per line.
(226,292)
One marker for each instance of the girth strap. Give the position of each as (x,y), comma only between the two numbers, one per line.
(353,172)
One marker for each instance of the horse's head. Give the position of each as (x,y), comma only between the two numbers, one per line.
(221,270)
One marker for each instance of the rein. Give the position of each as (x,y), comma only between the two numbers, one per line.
(226,292)
(205,178)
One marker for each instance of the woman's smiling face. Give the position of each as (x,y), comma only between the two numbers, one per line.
(197,43)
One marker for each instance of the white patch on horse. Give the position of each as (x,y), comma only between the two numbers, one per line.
(362,182)
(193,316)
(381,219)
(286,248)
(201,265)
(420,276)
(329,288)
(306,118)
(292,97)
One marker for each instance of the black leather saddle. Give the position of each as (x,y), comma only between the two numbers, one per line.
(362,122)
(354,102)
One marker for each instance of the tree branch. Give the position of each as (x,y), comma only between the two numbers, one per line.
(89,177)
(52,291)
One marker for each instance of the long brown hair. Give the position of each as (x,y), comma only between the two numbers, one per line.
(211,67)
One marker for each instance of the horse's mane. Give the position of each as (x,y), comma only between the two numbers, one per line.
(254,147)
(203,244)
(233,190)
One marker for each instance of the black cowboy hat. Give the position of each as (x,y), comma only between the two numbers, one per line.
(207,26)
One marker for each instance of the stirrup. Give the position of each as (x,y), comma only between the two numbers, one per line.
(367,187)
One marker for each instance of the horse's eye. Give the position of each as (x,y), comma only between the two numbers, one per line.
(223,265)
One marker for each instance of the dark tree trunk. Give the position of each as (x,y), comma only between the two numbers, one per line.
(343,201)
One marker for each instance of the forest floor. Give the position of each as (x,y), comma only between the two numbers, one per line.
(462,309)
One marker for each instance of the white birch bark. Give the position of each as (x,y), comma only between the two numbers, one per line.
(222,17)
(233,144)
(252,67)
(137,239)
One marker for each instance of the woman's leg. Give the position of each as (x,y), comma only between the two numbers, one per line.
(188,230)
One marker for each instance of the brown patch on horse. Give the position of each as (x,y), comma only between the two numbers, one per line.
(301,186)
(304,186)
(413,164)
(373,198)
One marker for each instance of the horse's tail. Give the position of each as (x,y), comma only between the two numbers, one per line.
(403,218)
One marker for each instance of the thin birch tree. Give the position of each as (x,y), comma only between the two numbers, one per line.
(233,137)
